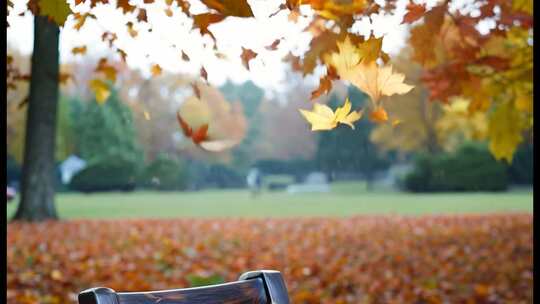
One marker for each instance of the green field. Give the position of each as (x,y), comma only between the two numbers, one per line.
(345,199)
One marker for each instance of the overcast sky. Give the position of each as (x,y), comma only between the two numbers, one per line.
(267,70)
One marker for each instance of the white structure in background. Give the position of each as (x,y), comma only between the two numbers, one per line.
(314,182)
(394,175)
(70,167)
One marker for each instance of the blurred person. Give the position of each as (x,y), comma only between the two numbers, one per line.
(254,181)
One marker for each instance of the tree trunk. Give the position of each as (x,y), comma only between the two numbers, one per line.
(37,191)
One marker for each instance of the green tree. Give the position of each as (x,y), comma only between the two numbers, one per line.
(104,130)
(347,150)
(250,96)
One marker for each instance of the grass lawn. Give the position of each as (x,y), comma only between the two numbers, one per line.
(345,199)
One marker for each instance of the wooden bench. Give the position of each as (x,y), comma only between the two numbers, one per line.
(261,287)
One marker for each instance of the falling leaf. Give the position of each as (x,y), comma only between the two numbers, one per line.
(64,77)
(141,16)
(125,6)
(122,54)
(81,19)
(56,10)
(132,32)
(246,56)
(346,59)
(414,12)
(203,21)
(109,37)
(378,81)
(146,115)
(323,118)
(238,8)
(273,46)
(168,12)
(204,74)
(378,115)
(370,49)
(325,85)
(156,70)
(107,69)
(101,90)
(185,57)
(79,50)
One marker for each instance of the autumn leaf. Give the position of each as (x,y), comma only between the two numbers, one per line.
(323,118)
(414,12)
(122,54)
(378,115)
(141,16)
(273,46)
(156,70)
(203,21)
(107,69)
(238,8)
(378,81)
(100,89)
(110,37)
(204,74)
(246,56)
(346,59)
(185,57)
(64,77)
(125,6)
(424,36)
(132,32)
(505,129)
(325,85)
(370,49)
(56,10)
(168,12)
(79,50)
(81,19)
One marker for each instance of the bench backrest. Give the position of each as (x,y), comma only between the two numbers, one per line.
(261,287)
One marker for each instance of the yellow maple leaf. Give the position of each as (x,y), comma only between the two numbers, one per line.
(345,60)
(156,70)
(101,90)
(56,10)
(505,129)
(378,81)
(323,118)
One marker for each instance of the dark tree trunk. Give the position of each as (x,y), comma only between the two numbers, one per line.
(37,192)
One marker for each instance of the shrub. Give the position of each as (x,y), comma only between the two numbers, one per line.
(521,170)
(204,175)
(164,174)
(111,173)
(471,168)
